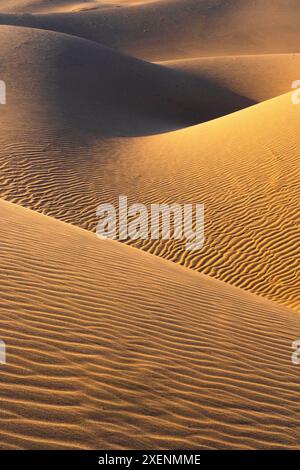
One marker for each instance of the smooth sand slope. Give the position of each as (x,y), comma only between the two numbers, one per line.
(47,6)
(58,80)
(174,29)
(58,6)
(55,157)
(256,77)
(110,347)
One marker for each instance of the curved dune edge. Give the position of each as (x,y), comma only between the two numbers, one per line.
(256,77)
(176,29)
(51,6)
(110,347)
(69,81)
(64,6)
(243,167)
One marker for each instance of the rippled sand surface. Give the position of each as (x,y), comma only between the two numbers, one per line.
(144,344)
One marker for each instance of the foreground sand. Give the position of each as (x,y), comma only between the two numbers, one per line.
(112,347)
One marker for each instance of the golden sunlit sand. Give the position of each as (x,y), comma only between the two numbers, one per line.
(112,347)
(144,344)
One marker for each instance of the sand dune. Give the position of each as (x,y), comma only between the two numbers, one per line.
(58,6)
(243,167)
(110,347)
(256,77)
(50,6)
(176,29)
(67,81)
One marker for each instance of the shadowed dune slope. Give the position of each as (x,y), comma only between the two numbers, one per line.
(176,29)
(110,347)
(58,6)
(256,77)
(58,80)
(49,6)
(244,168)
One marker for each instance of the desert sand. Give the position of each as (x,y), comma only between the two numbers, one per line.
(256,77)
(112,347)
(143,344)
(60,6)
(176,29)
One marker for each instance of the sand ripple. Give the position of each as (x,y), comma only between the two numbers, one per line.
(110,347)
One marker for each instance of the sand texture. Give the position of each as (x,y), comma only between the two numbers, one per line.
(142,343)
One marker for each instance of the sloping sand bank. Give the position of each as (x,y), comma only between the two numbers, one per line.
(110,347)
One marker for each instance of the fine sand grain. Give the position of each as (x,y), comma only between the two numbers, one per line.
(110,347)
